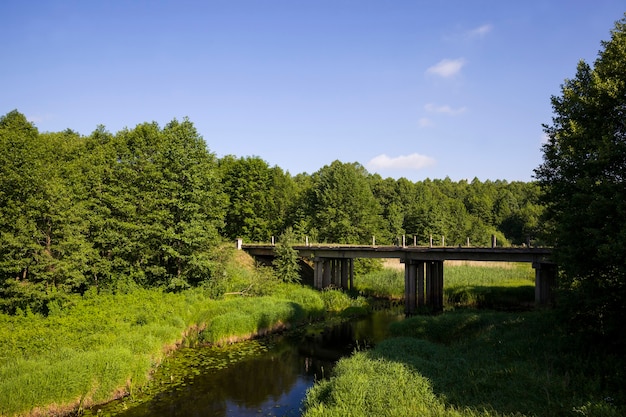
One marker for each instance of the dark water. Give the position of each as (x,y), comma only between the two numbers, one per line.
(265,377)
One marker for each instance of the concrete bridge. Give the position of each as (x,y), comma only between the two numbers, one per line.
(423,267)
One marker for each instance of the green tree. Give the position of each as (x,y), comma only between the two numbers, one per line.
(44,244)
(287,262)
(343,206)
(583,177)
(157,204)
(248,182)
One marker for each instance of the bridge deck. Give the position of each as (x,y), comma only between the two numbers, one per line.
(424,253)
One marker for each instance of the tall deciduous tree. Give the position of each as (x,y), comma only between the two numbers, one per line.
(158,204)
(583,175)
(343,205)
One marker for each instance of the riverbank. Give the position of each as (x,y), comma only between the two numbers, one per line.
(101,347)
(470,363)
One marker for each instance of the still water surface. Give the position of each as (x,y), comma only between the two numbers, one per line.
(264,377)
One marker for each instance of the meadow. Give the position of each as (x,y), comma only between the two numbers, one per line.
(98,347)
(466,284)
(472,360)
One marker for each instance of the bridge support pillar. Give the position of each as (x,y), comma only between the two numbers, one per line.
(346,276)
(423,285)
(338,272)
(413,286)
(545,281)
(434,285)
(318,271)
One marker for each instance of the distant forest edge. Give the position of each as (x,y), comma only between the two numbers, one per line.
(149,207)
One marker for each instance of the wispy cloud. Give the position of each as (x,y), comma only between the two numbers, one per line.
(413,161)
(444,109)
(480,32)
(447,67)
(425,122)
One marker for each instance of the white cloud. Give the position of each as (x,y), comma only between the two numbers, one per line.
(447,67)
(480,32)
(425,122)
(444,109)
(413,161)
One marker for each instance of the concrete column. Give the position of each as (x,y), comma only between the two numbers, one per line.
(351,273)
(434,285)
(345,271)
(337,273)
(420,283)
(318,273)
(545,281)
(326,277)
(410,281)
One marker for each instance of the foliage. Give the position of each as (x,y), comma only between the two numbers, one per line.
(259,198)
(139,208)
(343,207)
(470,363)
(337,301)
(583,177)
(286,261)
(99,344)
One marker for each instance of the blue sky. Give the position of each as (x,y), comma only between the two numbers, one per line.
(415,89)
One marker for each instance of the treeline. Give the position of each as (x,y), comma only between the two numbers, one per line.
(149,207)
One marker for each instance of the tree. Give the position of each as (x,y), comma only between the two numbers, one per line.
(157,204)
(247,182)
(343,206)
(583,177)
(287,263)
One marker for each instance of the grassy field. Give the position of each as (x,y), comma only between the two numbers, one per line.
(473,362)
(101,346)
(466,284)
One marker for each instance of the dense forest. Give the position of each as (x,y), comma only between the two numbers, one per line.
(149,207)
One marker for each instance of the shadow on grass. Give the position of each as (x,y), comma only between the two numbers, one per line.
(504,363)
(507,298)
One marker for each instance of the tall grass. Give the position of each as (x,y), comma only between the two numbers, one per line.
(465,285)
(108,344)
(470,363)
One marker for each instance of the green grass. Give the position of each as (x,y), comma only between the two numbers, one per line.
(108,343)
(471,363)
(472,285)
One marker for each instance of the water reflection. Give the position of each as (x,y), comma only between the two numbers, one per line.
(264,377)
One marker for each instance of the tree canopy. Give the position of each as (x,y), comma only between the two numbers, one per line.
(583,176)
(147,206)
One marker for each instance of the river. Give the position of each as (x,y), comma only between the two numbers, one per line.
(263,377)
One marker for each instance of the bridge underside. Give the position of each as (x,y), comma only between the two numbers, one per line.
(423,267)
(423,281)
